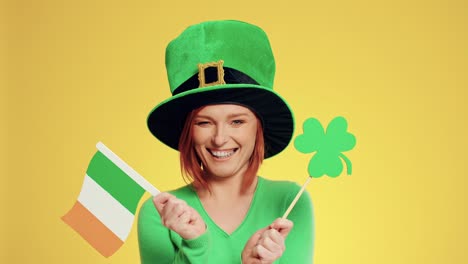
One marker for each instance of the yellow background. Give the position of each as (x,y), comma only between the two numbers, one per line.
(78,72)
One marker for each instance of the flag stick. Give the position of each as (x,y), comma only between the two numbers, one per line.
(296,198)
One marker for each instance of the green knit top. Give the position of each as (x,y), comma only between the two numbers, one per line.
(158,244)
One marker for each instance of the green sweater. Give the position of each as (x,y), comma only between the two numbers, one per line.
(271,199)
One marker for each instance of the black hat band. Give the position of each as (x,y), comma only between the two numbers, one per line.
(231,76)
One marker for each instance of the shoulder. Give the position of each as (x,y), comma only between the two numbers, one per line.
(186,193)
(284,192)
(183,191)
(279,187)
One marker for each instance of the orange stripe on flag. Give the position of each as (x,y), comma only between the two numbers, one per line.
(92,230)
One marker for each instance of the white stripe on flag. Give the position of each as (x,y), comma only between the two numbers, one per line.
(106,208)
(127,169)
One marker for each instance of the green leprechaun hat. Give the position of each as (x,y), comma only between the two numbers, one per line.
(220,62)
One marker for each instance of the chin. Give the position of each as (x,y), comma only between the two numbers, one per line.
(219,174)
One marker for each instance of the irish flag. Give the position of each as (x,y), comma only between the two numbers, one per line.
(104,212)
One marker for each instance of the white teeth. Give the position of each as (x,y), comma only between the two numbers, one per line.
(222,154)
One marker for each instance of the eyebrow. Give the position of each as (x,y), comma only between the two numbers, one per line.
(229,116)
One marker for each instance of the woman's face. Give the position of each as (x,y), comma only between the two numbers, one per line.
(224,138)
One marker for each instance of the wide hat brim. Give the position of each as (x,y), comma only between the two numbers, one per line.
(166,121)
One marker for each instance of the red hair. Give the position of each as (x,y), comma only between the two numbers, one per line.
(191,166)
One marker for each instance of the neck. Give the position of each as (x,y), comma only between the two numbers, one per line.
(227,188)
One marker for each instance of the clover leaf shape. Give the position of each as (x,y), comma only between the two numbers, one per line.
(328,146)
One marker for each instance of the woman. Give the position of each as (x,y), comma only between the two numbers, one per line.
(224,118)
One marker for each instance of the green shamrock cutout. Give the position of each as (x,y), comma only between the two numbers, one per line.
(329,146)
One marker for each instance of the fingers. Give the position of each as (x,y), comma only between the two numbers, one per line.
(173,212)
(265,255)
(255,238)
(161,199)
(270,246)
(272,240)
(171,209)
(283,226)
(250,254)
(178,216)
(269,242)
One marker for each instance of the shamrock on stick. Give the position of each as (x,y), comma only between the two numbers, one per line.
(328,146)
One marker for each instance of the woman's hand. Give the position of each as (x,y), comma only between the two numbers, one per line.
(267,244)
(178,216)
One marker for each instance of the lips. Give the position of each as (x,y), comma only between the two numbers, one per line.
(222,154)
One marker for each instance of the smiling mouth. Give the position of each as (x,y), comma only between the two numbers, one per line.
(222,154)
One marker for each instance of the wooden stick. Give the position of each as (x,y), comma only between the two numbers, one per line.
(291,206)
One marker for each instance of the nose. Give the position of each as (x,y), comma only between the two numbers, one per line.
(220,136)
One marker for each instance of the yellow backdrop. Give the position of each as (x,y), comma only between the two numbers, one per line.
(78,72)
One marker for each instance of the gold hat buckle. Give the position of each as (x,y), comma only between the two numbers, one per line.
(201,73)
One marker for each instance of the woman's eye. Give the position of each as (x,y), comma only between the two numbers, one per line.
(238,122)
(202,123)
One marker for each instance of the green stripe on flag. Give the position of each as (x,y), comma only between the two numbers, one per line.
(116,182)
